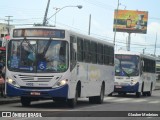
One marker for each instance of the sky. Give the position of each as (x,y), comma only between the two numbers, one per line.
(26,12)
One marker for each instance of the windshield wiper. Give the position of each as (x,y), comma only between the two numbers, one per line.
(46,47)
(29,44)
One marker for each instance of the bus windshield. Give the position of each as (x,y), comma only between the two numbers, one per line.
(126,65)
(38,56)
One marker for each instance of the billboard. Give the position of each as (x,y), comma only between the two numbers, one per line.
(130,21)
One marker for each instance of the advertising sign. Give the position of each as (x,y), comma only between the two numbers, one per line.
(130,21)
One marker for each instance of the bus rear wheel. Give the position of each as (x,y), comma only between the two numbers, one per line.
(150,92)
(98,99)
(101,97)
(25,101)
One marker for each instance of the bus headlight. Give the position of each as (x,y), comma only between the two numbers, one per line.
(61,83)
(133,82)
(12,82)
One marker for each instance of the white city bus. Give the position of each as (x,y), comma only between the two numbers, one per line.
(45,62)
(134,73)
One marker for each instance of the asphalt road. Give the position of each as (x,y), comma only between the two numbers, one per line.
(116,107)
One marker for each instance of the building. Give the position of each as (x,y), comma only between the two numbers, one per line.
(4,29)
(4,33)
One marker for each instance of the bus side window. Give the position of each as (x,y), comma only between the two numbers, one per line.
(141,67)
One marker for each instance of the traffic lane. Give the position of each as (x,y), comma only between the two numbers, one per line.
(110,103)
(115,103)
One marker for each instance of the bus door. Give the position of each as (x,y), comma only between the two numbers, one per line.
(73,62)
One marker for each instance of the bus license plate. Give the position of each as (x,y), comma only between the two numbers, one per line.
(35,93)
(118,86)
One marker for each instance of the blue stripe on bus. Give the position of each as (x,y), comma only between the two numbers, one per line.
(128,88)
(55,92)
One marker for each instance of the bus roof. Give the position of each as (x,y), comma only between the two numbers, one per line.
(135,53)
(70,31)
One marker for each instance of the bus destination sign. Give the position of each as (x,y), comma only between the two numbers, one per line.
(39,32)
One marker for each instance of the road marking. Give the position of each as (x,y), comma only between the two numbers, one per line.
(154,102)
(109,98)
(139,100)
(122,99)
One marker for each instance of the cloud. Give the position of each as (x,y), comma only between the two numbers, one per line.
(153,27)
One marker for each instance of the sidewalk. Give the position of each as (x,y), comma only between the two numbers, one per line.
(7,100)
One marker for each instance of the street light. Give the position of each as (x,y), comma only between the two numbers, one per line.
(116,14)
(59,9)
(55,15)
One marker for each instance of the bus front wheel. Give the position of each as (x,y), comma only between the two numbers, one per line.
(138,94)
(73,102)
(25,101)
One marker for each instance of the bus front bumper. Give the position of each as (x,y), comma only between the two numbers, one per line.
(43,93)
(126,88)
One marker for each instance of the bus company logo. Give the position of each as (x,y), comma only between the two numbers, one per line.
(6,114)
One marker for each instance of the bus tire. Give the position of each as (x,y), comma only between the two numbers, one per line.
(92,100)
(73,102)
(59,100)
(150,92)
(100,98)
(25,101)
(144,93)
(121,93)
(138,94)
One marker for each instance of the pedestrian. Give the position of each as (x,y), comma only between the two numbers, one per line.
(2,77)
(1,84)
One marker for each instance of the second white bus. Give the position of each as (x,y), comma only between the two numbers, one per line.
(134,73)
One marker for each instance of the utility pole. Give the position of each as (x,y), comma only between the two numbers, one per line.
(144,50)
(116,14)
(55,15)
(45,15)
(155,45)
(89,24)
(8,21)
(129,41)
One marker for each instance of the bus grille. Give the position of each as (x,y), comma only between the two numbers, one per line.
(25,87)
(28,78)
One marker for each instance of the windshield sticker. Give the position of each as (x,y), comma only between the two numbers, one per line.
(14,61)
(122,73)
(42,65)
